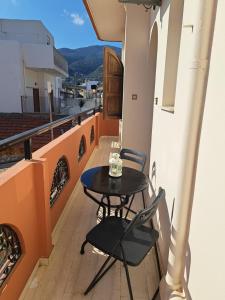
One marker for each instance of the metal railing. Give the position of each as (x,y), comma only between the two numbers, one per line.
(28,106)
(69,106)
(64,106)
(26,137)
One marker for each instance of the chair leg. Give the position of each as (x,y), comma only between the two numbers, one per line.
(143,199)
(127,275)
(157,254)
(104,210)
(108,206)
(97,211)
(128,208)
(82,247)
(99,206)
(128,281)
(100,274)
(156,293)
(158,263)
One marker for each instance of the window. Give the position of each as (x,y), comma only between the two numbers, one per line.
(60,178)
(172,52)
(48,40)
(92,135)
(82,147)
(10,251)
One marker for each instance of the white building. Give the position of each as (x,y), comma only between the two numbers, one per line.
(28,61)
(88,88)
(89,85)
(174,111)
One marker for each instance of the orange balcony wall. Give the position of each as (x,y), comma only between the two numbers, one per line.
(25,196)
(108,127)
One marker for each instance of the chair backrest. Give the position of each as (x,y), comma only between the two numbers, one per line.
(145,214)
(135,156)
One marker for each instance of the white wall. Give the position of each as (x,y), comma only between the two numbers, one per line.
(58,86)
(52,79)
(167,131)
(38,56)
(33,79)
(207,239)
(11,76)
(26,63)
(205,263)
(39,79)
(25,31)
(139,78)
(137,113)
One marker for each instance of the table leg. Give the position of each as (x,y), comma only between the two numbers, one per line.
(108,205)
(123,202)
(96,201)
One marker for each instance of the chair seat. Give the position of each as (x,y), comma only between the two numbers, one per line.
(136,244)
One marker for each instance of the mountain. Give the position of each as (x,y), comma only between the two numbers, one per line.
(86,62)
(97,74)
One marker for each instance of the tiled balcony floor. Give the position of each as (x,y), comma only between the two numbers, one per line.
(68,273)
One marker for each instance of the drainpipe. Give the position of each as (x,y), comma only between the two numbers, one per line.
(199,68)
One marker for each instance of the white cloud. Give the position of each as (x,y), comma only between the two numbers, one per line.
(75,17)
(77,20)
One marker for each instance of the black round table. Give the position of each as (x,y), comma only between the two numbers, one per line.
(99,181)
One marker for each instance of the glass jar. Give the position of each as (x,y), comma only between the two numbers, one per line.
(115,165)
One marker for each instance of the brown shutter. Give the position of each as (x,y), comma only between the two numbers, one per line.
(36,100)
(113,85)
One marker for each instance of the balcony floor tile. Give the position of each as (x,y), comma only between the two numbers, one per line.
(68,273)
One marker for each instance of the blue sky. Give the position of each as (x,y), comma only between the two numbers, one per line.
(67,20)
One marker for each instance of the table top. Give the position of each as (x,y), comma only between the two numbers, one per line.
(99,181)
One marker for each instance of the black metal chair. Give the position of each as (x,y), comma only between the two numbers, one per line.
(135,156)
(124,240)
(139,158)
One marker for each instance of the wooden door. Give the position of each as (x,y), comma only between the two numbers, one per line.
(52,102)
(36,100)
(113,85)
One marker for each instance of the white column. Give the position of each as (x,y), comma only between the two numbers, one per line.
(197,84)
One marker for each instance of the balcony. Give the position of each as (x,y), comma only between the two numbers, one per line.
(60,61)
(44,57)
(50,219)
(65,106)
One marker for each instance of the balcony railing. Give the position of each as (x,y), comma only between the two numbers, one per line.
(66,106)
(26,137)
(28,104)
(60,61)
(34,193)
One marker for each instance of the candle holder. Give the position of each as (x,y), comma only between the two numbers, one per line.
(115,165)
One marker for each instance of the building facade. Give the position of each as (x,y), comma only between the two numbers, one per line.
(174,65)
(29,64)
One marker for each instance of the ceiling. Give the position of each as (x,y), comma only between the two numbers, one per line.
(108,19)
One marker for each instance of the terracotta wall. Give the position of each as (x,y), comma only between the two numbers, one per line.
(70,151)
(108,127)
(19,210)
(25,191)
